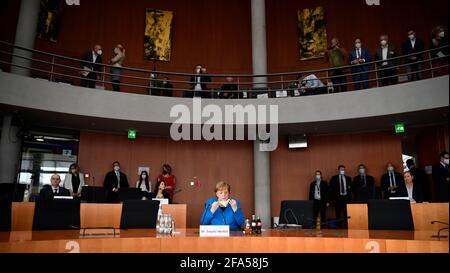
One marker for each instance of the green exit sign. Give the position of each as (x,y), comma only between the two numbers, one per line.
(400,128)
(131,134)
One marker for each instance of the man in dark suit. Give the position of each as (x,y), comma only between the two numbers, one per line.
(392,183)
(387,66)
(411,46)
(420,180)
(364,185)
(318,192)
(440,178)
(90,66)
(340,194)
(198,84)
(114,180)
(50,191)
(358,57)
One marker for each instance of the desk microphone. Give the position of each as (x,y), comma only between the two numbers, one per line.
(204,212)
(438,222)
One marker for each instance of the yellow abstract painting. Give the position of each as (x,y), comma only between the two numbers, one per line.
(312,33)
(158,29)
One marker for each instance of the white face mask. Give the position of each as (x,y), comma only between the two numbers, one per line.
(362,171)
(442,34)
(224,203)
(342,172)
(116,50)
(116,168)
(390,169)
(411,37)
(358,45)
(99,52)
(198,71)
(144,176)
(446,161)
(383,42)
(318,177)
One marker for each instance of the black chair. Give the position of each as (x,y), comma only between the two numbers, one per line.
(297,212)
(5,215)
(130,194)
(139,214)
(93,194)
(56,215)
(390,215)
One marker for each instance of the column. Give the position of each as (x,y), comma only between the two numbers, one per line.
(25,35)
(261,160)
(10,145)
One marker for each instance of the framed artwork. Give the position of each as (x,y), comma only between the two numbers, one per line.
(312,33)
(49,20)
(158,29)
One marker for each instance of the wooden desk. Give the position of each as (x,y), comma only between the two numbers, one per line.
(423,214)
(188,241)
(91,215)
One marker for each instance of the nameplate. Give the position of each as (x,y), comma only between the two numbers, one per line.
(214,231)
(399,198)
(63,197)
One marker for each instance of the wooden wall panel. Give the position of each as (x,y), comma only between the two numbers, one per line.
(292,170)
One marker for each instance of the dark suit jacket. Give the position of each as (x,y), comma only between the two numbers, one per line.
(365,54)
(392,53)
(408,49)
(111,181)
(440,178)
(323,191)
(421,182)
(385,184)
(47,193)
(203,81)
(334,190)
(363,192)
(88,62)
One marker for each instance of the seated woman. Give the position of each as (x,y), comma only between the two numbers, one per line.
(161,192)
(223,210)
(414,194)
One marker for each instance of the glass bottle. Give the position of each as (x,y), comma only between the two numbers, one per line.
(258,225)
(253,224)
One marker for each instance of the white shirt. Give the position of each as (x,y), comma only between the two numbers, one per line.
(57,190)
(385,53)
(343,191)
(317,191)
(198,86)
(143,187)
(312,81)
(410,192)
(94,57)
(413,43)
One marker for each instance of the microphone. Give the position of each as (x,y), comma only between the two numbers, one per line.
(207,205)
(438,222)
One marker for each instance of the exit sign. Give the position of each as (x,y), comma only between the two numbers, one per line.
(131,134)
(400,128)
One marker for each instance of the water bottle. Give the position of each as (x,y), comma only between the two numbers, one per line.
(158,224)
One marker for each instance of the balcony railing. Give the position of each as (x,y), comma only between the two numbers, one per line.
(66,69)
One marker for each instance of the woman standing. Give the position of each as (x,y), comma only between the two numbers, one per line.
(117,62)
(169,180)
(74,181)
(145,185)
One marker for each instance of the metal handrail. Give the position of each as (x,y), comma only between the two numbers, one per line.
(259,90)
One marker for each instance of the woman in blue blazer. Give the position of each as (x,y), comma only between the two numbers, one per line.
(223,210)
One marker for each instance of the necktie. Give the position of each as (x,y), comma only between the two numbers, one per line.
(118,179)
(317,193)
(56,191)
(343,189)
(358,53)
(364,180)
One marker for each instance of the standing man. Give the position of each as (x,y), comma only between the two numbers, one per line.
(392,182)
(364,185)
(114,180)
(387,66)
(340,195)
(318,193)
(411,46)
(440,178)
(52,190)
(357,58)
(91,66)
(198,83)
(337,57)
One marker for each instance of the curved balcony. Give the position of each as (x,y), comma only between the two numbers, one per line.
(60,104)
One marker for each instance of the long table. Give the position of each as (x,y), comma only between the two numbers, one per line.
(91,215)
(423,214)
(188,241)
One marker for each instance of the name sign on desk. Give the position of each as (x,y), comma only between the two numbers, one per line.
(214,231)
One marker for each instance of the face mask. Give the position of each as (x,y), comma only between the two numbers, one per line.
(99,52)
(358,45)
(144,176)
(165,172)
(116,168)
(197,71)
(224,203)
(116,50)
(383,42)
(446,161)
(442,34)
(362,171)
(341,172)
(73,171)
(318,177)
(411,37)
(390,169)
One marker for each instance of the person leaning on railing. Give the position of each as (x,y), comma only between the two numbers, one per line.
(439,38)
(91,64)
(117,62)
